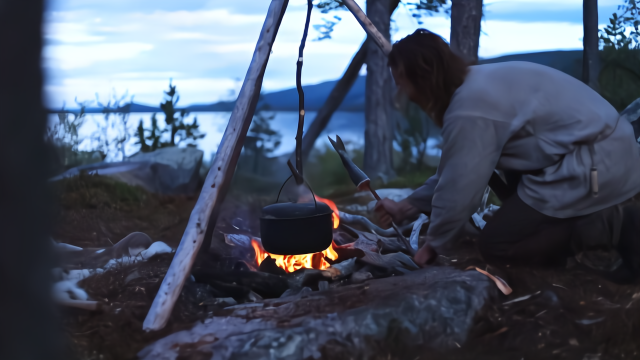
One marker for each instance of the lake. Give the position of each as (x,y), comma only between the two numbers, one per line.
(349,125)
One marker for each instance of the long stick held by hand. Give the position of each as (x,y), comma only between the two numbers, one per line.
(368,26)
(362,182)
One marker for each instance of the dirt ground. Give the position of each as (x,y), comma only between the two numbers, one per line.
(571,314)
(94,211)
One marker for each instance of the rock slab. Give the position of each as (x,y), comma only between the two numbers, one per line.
(169,171)
(431,307)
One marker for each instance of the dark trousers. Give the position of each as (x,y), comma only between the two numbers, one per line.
(519,235)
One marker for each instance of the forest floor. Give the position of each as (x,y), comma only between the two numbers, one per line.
(570,314)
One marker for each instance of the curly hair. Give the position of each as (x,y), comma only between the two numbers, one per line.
(431,67)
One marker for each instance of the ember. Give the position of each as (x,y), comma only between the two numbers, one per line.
(291,263)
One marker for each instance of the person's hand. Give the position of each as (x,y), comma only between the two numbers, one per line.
(425,255)
(387,210)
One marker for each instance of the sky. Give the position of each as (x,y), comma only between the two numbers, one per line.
(205,46)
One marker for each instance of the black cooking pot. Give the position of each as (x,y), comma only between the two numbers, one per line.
(296,228)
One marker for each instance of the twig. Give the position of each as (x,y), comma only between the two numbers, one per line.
(299,179)
(334,100)
(346,218)
(403,239)
(81,304)
(415,233)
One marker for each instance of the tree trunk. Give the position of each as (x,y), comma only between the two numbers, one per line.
(465,28)
(590,42)
(28,327)
(337,95)
(378,131)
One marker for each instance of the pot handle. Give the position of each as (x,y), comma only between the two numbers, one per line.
(306,183)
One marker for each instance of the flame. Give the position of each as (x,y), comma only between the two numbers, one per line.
(336,214)
(291,263)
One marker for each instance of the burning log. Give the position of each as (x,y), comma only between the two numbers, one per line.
(291,263)
(341,270)
(205,213)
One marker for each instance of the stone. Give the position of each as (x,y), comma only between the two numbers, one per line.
(169,171)
(433,307)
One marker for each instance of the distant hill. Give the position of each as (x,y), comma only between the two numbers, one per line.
(133,107)
(569,62)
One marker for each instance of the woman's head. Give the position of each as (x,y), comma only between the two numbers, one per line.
(427,71)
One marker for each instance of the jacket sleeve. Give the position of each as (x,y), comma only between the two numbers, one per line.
(422,196)
(472,146)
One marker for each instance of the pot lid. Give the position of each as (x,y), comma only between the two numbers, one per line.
(295,210)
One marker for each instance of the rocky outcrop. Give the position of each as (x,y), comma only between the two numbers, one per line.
(171,170)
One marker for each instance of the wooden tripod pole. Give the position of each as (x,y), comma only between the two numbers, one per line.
(219,178)
(368,26)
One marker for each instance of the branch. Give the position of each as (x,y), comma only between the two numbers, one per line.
(205,213)
(368,26)
(299,179)
(350,219)
(335,99)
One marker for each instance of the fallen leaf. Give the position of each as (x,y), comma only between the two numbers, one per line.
(501,284)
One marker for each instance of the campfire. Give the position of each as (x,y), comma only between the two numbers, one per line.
(291,263)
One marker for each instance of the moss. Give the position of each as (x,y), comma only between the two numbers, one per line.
(94,191)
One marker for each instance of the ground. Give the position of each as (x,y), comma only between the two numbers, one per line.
(95,211)
(571,315)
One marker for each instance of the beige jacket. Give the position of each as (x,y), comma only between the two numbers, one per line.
(536,120)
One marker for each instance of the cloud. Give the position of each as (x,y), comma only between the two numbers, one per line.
(545,10)
(507,37)
(70,33)
(68,57)
(147,88)
(207,44)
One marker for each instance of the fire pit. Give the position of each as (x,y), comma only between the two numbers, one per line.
(282,223)
(281,240)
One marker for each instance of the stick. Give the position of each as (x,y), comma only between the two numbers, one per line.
(351,219)
(334,100)
(299,178)
(81,304)
(337,95)
(219,178)
(403,239)
(368,26)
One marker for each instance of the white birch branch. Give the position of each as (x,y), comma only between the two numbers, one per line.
(219,178)
(368,26)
